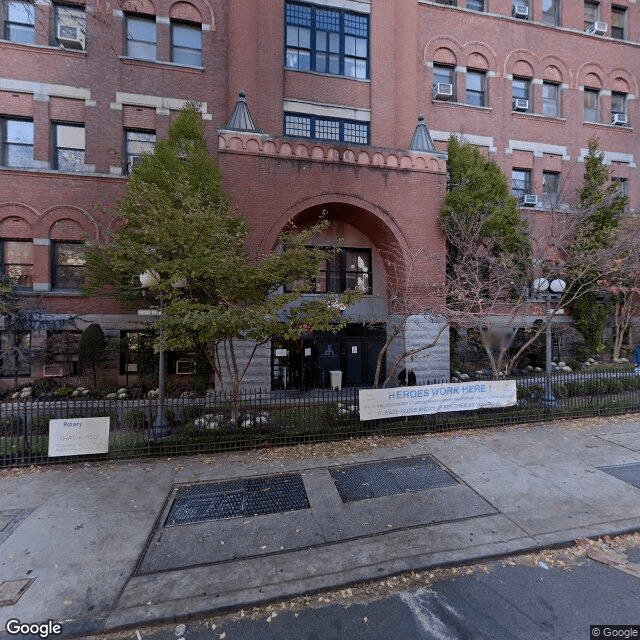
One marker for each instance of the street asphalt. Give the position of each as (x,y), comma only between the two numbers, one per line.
(96,547)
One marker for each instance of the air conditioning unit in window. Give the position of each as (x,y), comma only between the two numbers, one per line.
(69,33)
(619,119)
(597,29)
(520,11)
(132,163)
(184,367)
(442,91)
(529,200)
(520,104)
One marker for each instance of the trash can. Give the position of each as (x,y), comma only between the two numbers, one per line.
(336,379)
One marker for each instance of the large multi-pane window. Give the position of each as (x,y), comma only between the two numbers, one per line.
(17,262)
(70,27)
(19,21)
(476,88)
(347,269)
(186,44)
(137,143)
(16,137)
(551,12)
(551,99)
(520,182)
(68,265)
(324,128)
(618,23)
(327,40)
(591,105)
(520,90)
(68,147)
(140,36)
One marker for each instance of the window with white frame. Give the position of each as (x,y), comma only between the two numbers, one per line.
(551,99)
(520,93)
(476,88)
(444,82)
(137,144)
(140,37)
(186,43)
(16,136)
(326,128)
(19,21)
(520,182)
(618,107)
(591,105)
(327,40)
(68,147)
(70,27)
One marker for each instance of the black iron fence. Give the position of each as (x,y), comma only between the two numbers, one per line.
(268,418)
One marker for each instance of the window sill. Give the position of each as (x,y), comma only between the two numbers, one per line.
(46,47)
(538,116)
(160,63)
(327,75)
(607,126)
(462,105)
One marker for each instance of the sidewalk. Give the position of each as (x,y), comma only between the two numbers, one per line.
(107,545)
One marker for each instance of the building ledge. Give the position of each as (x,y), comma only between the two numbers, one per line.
(253,143)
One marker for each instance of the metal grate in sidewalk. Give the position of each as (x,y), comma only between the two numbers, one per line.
(629,473)
(238,498)
(376,479)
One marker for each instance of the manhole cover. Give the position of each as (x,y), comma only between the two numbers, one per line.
(376,479)
(629,473)
(238,498)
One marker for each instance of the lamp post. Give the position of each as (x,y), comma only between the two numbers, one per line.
(549,290)
(160,428)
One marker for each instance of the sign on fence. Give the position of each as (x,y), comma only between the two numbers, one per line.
(435,398)
(78,436)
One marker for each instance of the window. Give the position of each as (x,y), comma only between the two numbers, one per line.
(186,44)
(520,9)
(70,27)
(68,265)
(550,188)
(520,182)
(19,21)
(591,105)
(68,147)
(443,75)
(327,41)
(61,352)
(17,262)
(551,12)
(618,22)
(551,99)
(321,128)
(520,90)
(348,269)
(591,13)
(622,189)
(618,103)
(475,5)
(17,142)
(476,88)
(137,143)
(140,36)
(15,353)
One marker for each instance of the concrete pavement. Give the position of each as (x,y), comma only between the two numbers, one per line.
(100,546)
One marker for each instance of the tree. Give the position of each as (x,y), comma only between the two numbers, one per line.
(92,351)
(178,225)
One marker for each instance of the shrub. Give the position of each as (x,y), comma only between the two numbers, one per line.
(40,424)
(133,418)
(63,392)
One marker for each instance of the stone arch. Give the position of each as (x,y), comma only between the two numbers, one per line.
(480,56)
(621,78)
(522,62)
(368,218)
(72,219)
(17,220)
(444,50)
(145,7)
(591,75)
(555,70)
(185,11)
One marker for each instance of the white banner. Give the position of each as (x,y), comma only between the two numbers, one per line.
(78,436)
(435,398)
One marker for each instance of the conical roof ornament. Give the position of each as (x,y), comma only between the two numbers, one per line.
(421,140)
(241,119)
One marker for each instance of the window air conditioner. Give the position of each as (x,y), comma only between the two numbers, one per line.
(597,29)
(520,11)
(619,119)
(520,104)
(132,163)
(184,367)
(442,91)
(529,200)
(69,33)
(53,370)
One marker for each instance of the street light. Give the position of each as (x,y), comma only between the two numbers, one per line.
(549,290)
(161,428)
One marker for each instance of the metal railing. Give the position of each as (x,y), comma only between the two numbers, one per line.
(269,418)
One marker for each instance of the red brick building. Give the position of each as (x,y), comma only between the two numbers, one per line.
(334,89)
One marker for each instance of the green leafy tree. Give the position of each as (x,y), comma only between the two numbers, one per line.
(92,351)
(178,225)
